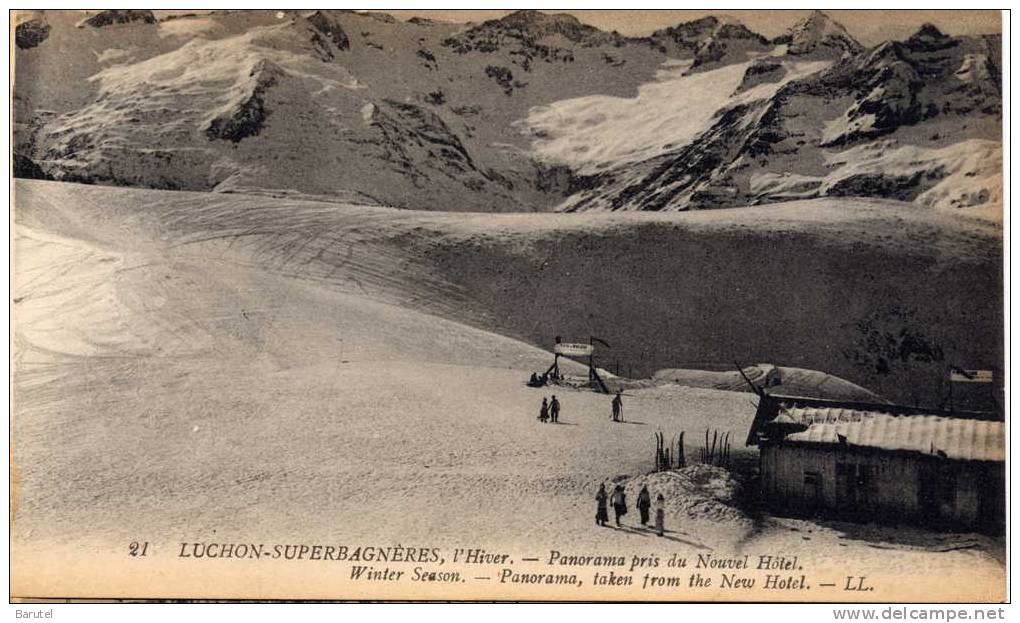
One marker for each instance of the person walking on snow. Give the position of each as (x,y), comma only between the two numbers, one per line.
(660,514)
(644,502)
(601,511)
(554,409)
(619,501)
(617,407)
(543,413)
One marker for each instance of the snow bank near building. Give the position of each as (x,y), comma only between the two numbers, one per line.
(699,492)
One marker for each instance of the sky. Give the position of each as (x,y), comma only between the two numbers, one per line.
(870,27)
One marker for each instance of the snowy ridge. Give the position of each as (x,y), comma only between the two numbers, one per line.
(529,112)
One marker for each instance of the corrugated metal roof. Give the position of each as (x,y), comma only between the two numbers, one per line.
(974,440)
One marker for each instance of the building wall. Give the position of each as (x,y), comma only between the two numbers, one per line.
(899,486)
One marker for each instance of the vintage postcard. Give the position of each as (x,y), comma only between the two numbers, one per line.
(700,306)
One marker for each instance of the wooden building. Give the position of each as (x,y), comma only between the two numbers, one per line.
(881,462)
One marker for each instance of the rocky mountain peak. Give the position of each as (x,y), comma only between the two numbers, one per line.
(928,31)
(690,34)
(729,41)
(525,17)
(538,25)
(735,29)
(530,35)
(928,38)
(712,40)
(820,33)
(687,31)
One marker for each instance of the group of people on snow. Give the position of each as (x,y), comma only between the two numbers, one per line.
(549,411)
(618,500)
(538,380)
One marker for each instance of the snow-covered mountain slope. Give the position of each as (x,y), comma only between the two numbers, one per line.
(186,119)
(595,133)
(533,111)
(338,104)
(916,121)
(795,284)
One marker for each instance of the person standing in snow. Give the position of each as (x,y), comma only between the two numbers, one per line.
(543,413)
(660,514)
(601,510)
(554,409)
(644,502)
(617,407)
(619,501)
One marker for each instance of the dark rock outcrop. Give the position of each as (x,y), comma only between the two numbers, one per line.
(889,186)
(25,167)
(761,72)
(30,33)
(110,17)
(330,28)
(248,116)
(503,77)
